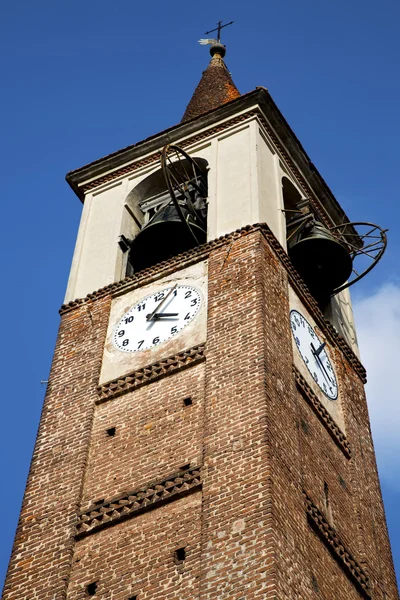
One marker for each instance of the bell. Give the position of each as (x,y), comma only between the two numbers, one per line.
(321,260)
(165,235)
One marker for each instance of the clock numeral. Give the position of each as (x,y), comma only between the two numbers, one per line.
(159,296)
(325,388)
(193,302)
(315,376)
(140,344)
(128,320)
(188,294)
(141,306)
(296,319)
(187,317)
(329,366)
(297,341)
(175,293)
(125,342)
(302,321)
(293,325)
(306,360)
(311,331)
(156,340)
(174,329)
(121,333)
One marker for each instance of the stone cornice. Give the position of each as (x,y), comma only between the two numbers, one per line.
(335,545)
(335,432)
(259,103)
(136,502)
(201,253)
(148,160)
(150,373)
(312,195)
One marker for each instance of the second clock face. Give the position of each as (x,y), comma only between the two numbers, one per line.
(314,355)
(157,318)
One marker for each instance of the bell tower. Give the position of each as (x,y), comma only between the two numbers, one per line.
(205,432)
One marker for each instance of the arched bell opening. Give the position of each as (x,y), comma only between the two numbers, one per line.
(170,208)
(293,201)
(323,262)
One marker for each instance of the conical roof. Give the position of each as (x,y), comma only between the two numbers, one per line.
(215,87)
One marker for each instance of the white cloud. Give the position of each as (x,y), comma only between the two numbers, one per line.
(378,330)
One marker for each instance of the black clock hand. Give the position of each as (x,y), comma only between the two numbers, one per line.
(318,352)
(316,355)
(156,310)
(157,316)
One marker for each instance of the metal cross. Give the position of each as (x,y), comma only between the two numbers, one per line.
(220,26)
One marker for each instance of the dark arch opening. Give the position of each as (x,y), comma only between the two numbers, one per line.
(161,232)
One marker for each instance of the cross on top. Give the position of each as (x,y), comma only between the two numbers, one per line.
(218,28)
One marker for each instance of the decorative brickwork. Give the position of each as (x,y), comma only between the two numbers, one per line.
(336,547)
(137,501)
(322,413)
(243,529)
(202,252)
(214,89)
(309,301)
(151,373)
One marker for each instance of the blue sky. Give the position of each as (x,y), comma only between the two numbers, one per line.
(80,80)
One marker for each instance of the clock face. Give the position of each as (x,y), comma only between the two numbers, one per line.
(313,353)
(157,318)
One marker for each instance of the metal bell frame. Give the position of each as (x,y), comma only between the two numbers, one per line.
(371,244)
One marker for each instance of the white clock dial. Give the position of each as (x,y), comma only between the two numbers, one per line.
(314,354)
(157,318)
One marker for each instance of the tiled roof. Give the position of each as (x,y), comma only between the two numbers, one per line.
(215,89)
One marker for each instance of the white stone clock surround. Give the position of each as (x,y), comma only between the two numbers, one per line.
(116,363)
(332,406)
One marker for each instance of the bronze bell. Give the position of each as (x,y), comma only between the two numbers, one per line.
(321,260)
(165,235)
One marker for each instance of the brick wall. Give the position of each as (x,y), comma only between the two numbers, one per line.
(137,556)
(256,522)
(155,435)
(41,559)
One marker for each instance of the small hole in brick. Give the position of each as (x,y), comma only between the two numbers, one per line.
(188,401)
(180,555)
(111,431)
(133,598)
(185,467)
(314,583)
(99,501)
(342,482)
(91,588)
(304,426)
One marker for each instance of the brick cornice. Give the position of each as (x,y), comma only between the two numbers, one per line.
(335,545)
(202,252)
(309,301)
(150,373)
(139,500)
(336,433)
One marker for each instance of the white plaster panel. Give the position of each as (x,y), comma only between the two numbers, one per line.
(233,196)
(96,252)
(116,363)
(334,407)
(340,314)
(76,259)
(270,196)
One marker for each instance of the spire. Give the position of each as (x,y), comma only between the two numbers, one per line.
(215,87)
